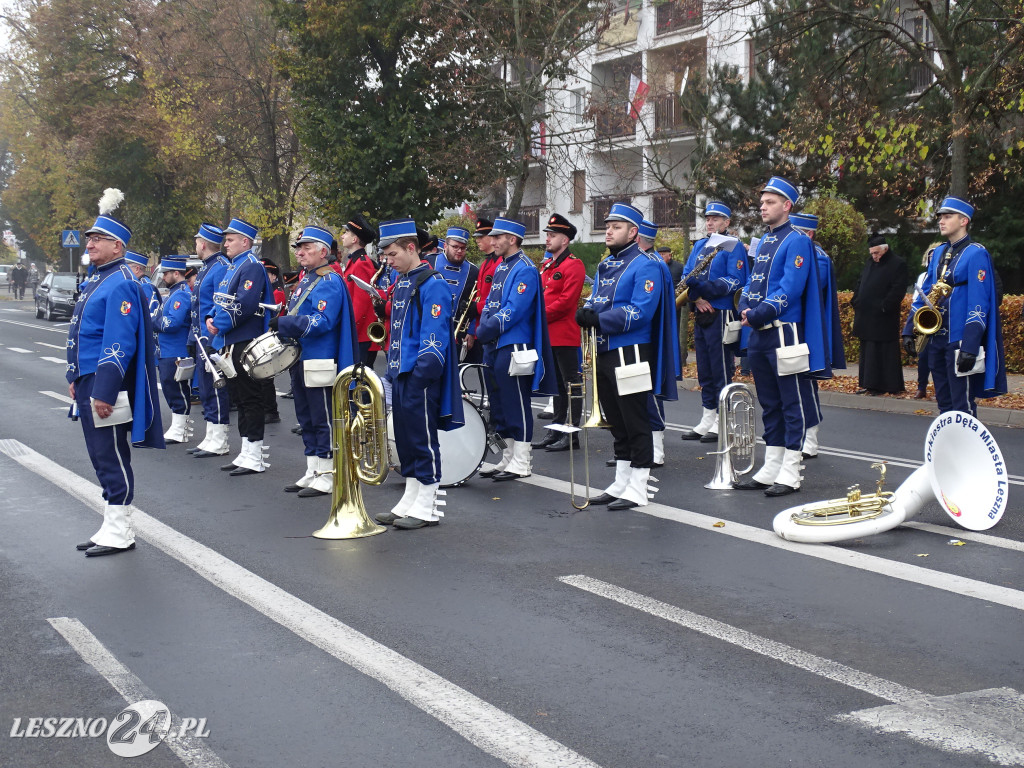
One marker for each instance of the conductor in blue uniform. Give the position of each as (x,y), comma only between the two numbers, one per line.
(633,311)
(111,361)
(319,316)
(966,352)
(423,371)
(782,302)
(172,321)
(237,320)
(517,351)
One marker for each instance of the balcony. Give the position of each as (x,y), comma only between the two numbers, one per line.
(671,212)
(612,122)
(602,206)
(531,218)
(668,116)
(678,14)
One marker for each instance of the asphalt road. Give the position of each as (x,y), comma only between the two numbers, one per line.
(518,632)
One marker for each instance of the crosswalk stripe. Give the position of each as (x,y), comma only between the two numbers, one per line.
(20,350)
(54,360)
(51,346)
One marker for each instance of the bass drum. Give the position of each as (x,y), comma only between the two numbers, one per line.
(268,355)
(462,449)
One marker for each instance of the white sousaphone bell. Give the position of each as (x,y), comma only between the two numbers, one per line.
(963,470)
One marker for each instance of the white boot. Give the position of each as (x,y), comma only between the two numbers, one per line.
(243,454)
(303,482)
(252,456)
(217,439)
(506,457)
(206,438)
(708,419)
(618,486)
(659,446)
(412,489)
(773,455)
(178,433)
(810,446)
(522,458)
(713,428)
(638,490)
(792,470)
(116,530)
(425,509)
(323,478)
(549,409)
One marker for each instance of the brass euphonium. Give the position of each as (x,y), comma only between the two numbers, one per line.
(928,319)
(360,451)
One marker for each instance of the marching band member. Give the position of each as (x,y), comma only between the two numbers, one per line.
(357,233)
(633,311)
(320,316)
(237,320)
(970,316)
(711,299)
(423,371)
(110,352)
(807,224)
(216,406)
(138,263)
(517,351)
(485,275)
(782,294)
(271,414)
(460,273)
(173,321)
(562,279)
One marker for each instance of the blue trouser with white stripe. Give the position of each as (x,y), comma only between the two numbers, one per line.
(178,394)
(811,403)
(952,392)
(216,405)
(414,408)
(781,397)
(656,413)
(313,411)
(109,448)
(714,364)
(511,413)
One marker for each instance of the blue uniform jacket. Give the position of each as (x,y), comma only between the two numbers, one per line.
(832,329)
(151,294)
(422,342)
(784,286)
(173,322)
(634,299)
(246,280)
(970,314)
(323,323)
(111,336)
(207,281)
(726,274)
(460,278)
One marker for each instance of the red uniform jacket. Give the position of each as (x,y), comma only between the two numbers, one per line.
(360,265)
(483,285)
(562,278)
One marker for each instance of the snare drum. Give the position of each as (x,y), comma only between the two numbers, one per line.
(462,449)
(268,355)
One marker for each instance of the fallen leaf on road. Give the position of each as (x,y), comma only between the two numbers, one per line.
(719,524)
(955,543)
(924,555)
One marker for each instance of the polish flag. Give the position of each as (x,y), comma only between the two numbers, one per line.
(465,210)
(638,90)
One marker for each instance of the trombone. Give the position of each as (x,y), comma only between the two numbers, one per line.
(587,390)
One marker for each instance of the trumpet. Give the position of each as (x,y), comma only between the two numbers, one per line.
(587,390)
(219,380)
(360,451)
(928,319)
(464,319)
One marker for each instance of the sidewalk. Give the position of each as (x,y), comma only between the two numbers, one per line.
(1002,417)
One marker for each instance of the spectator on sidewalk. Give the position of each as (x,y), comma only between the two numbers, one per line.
(876,302)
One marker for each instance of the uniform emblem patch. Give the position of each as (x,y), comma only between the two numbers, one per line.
(247,285)
(556,276)
(488,279)
(981,275)
(177,305)
(739,265)
(435,310)
(321,305)
(798,262)
(126,307)
(648,286)
(521,288)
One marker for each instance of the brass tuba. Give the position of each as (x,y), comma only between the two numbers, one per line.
(928,319)
(736,436)
(587,390)
(360,451)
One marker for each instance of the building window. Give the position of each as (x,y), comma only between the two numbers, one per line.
(920,76)
(670,211)
(678,14)
(602,206)
(578,106)
(579,191)
(531,218)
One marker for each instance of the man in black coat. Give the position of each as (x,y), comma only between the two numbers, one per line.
(876,321)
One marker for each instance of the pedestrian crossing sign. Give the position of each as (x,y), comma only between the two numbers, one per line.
(70,238)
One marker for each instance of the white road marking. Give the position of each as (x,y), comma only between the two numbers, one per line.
(914,574)
(960,533)
(193,752)
(20,350)
(54,360)
(61,328)
(56,396)
(979,722)
(51,346)
(482,724)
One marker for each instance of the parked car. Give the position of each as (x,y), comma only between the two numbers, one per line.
(55,296)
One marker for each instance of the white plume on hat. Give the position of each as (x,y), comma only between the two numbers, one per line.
(110,200)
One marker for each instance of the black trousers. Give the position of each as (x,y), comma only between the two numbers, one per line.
(631,427)
(247,394)
(567,370)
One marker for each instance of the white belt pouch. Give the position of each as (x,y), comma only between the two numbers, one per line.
(523,361)
(795,358)
(635,377)
(319,373)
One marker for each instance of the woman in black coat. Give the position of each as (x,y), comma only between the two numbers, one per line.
(877,302)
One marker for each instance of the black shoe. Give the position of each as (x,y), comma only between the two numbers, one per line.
(503,476)
(293,488)
(412,523)
(386,518)
(691,435)
(239,471)
(809,455)
(228,467)
(85,545)
(610,463)
(604,498)
(562,444)
(272,418)
(548,439)
(308,493)
(863,391)
(289,395)
(488,472)
(297,430)
(99,551)
(749,485)
(205,454)
(710,437)
(622,504)
(778,489)
(546,415)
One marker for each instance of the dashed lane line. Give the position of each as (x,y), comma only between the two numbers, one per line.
(54,360)
(61,328)
(21,351)
(51,346)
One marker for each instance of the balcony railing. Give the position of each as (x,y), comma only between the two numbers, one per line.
(602,206)
(531,218)
(668,116)
(612,122)
(679,14)
(670,211)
